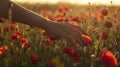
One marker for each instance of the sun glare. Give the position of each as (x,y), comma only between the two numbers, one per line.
(106,2)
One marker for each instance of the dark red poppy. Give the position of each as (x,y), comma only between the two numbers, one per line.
(34,58)
(14,37)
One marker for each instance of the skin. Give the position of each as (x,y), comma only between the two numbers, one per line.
(61,30)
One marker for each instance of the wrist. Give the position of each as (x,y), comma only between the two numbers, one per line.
(48,24)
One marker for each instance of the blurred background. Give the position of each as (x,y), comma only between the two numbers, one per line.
(82,2)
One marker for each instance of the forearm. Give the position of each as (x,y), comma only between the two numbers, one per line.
(25,16)
(4,6)
(20,14)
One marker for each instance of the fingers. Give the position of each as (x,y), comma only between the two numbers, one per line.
(79,41)
(72,42)
(75,36)
(76,40)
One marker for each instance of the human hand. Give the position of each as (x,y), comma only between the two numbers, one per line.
(71,33)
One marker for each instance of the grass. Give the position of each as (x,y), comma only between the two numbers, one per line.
(41,51)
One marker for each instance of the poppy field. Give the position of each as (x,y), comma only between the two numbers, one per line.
(22,45)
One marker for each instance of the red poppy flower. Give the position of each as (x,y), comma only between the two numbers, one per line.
(118,10)
(34,58)
(73,23)
(3,49)
(58,15)
(108,59)
(13,27)
(48,17)
(26,46)
(67,50)
(45,9)
(6,29)
(60,19)
(108,24)
(104,12)
(67,19)
(65,8)
(74,54)
(104,35)
(14,37)
(48,42)
(3,20)
(24,40)
(87,39)
(60,9)
(19,33)
(75,19)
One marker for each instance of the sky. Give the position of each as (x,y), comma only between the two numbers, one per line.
(107,2)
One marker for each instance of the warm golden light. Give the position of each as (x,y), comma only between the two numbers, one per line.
(105,2)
